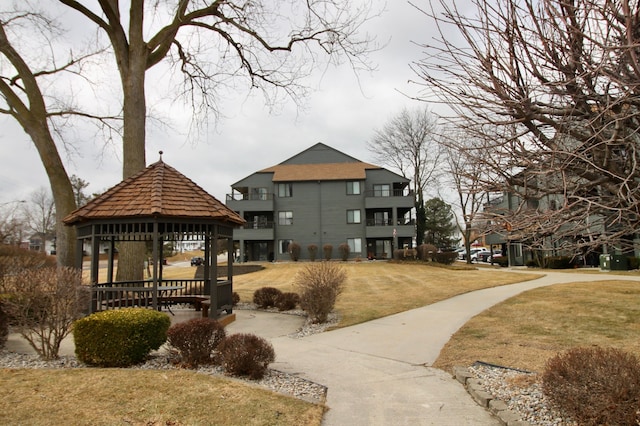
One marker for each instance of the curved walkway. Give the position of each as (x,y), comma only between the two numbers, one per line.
(378,373)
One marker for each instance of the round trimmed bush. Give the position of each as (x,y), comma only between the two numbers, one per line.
(119,338)
(245,354)
(196,340)
(266,297)
(287,301)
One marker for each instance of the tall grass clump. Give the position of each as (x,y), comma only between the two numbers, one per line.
(319,286)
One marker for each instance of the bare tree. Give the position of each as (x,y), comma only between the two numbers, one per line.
(466,179)
(12,224)
(25,102)
(40,215)
(408,144)
(273,45)
(552,84)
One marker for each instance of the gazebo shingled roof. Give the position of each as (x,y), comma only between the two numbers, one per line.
(157,191)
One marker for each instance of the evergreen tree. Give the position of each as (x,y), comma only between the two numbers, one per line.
(439,226)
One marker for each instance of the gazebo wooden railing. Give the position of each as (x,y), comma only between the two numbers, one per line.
(115,295)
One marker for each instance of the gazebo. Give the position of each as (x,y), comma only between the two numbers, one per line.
(157,205)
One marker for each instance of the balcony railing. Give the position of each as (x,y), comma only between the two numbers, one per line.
(389,193)
(389,222)
(249,197)
(259,225)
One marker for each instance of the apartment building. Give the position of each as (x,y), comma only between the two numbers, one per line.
(322,196)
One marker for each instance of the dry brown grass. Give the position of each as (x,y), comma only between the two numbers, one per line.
(377,289)
(525,331)
(142,397)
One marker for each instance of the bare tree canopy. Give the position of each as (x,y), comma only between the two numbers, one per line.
(549,87)
(209,47)
(407,143)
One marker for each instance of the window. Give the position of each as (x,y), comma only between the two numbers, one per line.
(285,190)
(353,216)
(355,245)
(353,188)
(381,190)
(283,246)
(285,218)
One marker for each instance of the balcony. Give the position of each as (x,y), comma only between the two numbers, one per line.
(255,231)
(375,199)
(385,228)
(250,201)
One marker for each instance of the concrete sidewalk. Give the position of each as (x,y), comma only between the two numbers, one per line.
(378,373)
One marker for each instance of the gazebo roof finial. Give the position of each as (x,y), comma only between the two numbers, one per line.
(160,152)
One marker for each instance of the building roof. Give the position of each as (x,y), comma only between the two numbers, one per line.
(327,171)
(158,191)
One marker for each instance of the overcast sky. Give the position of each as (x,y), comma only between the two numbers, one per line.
(340,112)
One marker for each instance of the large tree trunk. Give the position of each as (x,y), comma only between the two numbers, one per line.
(132,63)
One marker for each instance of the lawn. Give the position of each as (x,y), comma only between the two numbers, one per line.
(525,331)
(522,332)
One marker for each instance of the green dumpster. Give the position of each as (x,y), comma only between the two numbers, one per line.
(619,262)
(605,262)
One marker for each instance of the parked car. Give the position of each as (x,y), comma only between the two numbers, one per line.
(197,261)
(485,256)
(472,253)
(475,254)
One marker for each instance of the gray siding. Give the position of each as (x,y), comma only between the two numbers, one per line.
(320,215)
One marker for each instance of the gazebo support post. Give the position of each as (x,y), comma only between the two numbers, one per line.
(213,274)
(112,249)
(154,292)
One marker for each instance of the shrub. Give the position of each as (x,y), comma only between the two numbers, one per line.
(503,261)
(327,250)
(235,298)
(294,251)
(313,252)
(196,340)
(246,355)
(14,260)
(633,262)
(446,258)
(594,386)
(557,262)
(42,303)
(319,286)
(405,254)
(344,251)
(266,297)
(287,301)
(119,338)
(427,252)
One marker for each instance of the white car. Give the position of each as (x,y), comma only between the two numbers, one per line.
(478,251)
(472,253)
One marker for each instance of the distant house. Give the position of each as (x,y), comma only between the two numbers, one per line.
(42,242)
(322,196)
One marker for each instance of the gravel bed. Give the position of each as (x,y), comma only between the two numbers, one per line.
(278,381)
(522,392)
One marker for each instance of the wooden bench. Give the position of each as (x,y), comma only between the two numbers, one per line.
(195,300)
